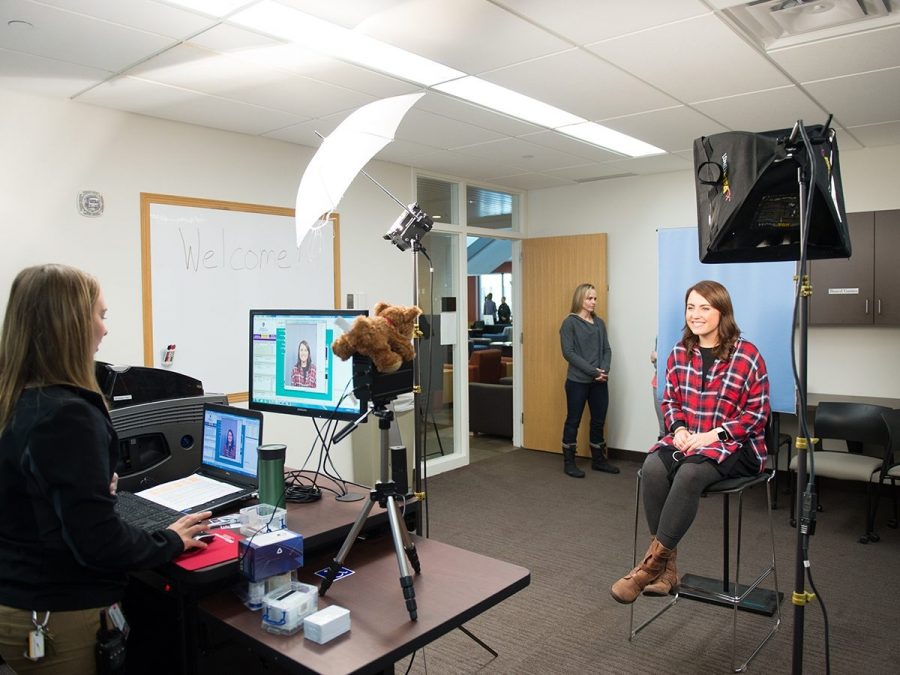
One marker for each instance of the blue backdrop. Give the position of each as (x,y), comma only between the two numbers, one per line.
(763,297)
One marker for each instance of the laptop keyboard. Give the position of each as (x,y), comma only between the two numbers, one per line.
(143,513)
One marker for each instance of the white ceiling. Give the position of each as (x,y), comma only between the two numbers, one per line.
(664,71)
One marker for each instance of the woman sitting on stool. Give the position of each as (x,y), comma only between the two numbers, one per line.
(716,404)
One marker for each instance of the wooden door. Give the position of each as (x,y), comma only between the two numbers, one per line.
(552,267)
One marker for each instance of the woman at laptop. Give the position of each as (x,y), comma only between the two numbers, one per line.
(64,553)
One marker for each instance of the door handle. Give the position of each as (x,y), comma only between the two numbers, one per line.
(879,306)
(867,305)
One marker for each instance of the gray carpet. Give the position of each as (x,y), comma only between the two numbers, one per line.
(575,535)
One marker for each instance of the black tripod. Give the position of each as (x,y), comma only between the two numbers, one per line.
(385,493)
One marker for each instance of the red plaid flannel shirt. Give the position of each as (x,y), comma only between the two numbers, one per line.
(736,398)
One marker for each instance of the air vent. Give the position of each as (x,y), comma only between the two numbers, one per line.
(782,23)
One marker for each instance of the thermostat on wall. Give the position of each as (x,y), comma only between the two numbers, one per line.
(90,203)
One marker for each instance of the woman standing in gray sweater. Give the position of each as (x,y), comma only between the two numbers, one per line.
(585,345)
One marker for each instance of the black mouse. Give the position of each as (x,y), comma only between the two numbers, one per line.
(206,538)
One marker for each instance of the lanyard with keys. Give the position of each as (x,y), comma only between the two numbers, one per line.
(35,648)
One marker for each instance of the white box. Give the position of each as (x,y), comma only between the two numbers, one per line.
(326,624)
(285,608)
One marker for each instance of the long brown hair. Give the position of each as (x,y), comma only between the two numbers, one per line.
(48,334)
(578,297)
(728,332)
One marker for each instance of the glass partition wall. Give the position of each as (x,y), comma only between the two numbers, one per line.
(467,262)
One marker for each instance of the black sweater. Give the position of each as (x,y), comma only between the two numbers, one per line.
(62,546)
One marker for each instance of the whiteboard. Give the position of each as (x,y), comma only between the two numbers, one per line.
(205,264)
(762,295)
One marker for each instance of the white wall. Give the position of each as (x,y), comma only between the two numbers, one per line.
(54,149)
(852,361)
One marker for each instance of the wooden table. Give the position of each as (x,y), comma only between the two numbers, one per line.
(455,586)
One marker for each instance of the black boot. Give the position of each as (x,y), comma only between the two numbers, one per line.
(599,461)
(569,465)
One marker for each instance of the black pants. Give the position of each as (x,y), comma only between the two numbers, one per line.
(596,395)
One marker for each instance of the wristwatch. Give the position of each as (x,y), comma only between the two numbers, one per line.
(723,435)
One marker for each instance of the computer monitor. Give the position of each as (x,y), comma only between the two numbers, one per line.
(283,381)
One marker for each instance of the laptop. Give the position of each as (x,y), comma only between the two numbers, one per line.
(227,473)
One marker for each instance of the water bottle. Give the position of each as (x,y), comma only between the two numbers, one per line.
(271,474)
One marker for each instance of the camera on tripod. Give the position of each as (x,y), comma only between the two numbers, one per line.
(379,388)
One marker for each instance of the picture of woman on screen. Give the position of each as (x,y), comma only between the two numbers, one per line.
(229,450)
(304,372)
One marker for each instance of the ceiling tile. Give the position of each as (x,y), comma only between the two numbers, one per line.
(584,21)
(572,146)
(671,129)
(145,15)
(45,77)
(530,181)
(874,135)
(265,52)
(764,110)
(433,29)
(470,113)
(522,154)
(157,100)
(692,60)
(582,84)
(200,70)
(68,37)
(454,164)
(871,98)
(857,53)
(420,126)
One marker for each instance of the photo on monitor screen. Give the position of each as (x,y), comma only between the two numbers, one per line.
(292,368)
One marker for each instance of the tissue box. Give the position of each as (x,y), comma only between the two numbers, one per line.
(266,555)
(326,624)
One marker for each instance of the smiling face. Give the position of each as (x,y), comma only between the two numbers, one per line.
(229,438)
(303,354)
(702,319)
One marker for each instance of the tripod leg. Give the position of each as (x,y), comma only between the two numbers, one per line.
(339,559)
(406,581)
(409,547)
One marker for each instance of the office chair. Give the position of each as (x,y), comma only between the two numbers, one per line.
(862,427)
(890,470)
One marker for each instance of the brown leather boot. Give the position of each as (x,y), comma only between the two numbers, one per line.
(626,589)
(667,581)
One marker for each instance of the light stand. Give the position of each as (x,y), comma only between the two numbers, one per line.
(406,233)
(747,213)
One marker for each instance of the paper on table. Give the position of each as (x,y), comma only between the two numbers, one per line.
(188,492)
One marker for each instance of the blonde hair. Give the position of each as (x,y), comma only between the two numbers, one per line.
(48,334)
(578,297)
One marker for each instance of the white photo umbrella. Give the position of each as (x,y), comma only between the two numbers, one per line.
(342,156)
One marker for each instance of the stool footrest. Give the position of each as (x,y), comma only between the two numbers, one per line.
(706,589)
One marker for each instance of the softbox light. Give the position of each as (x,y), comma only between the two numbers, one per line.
(748,196)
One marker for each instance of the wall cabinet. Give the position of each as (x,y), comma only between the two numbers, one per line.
(865,288)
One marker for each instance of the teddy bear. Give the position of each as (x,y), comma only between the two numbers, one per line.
(385,337)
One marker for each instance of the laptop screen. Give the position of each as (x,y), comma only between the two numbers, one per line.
(231,437)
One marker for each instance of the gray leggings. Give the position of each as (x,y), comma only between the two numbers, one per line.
(671,507)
